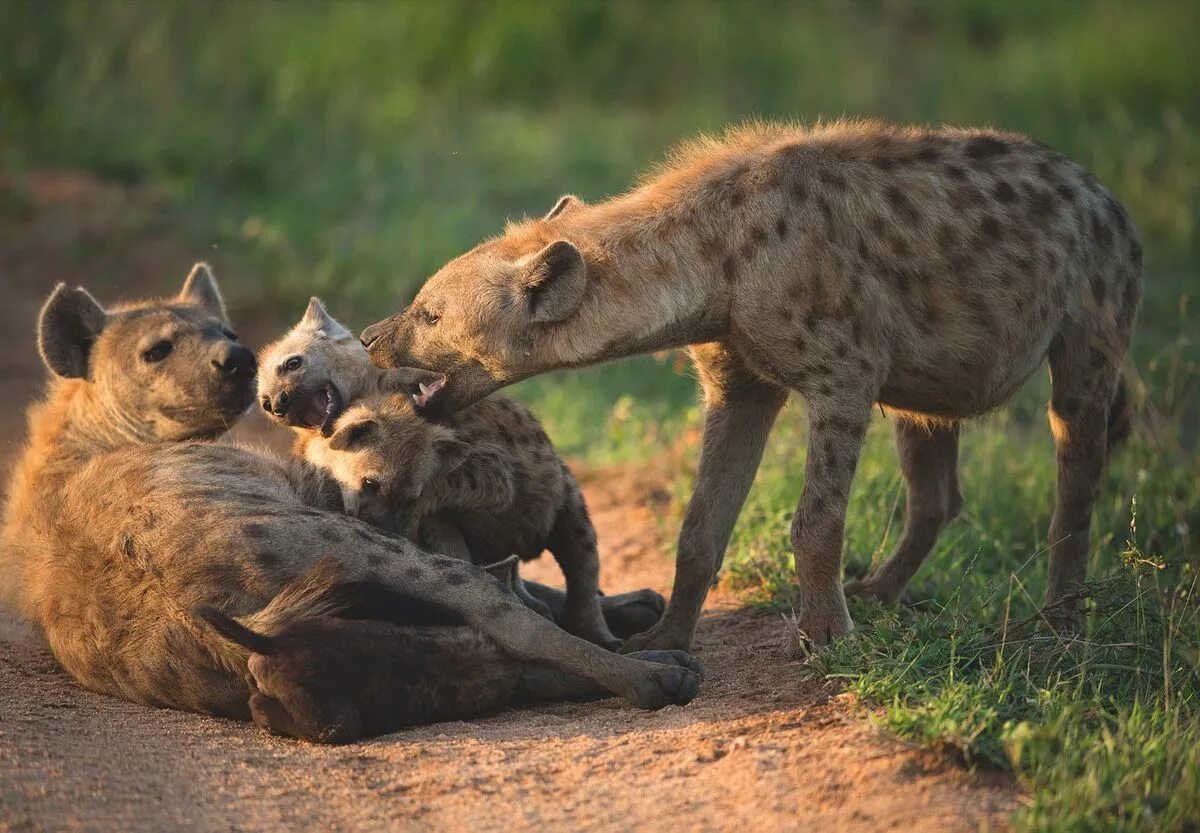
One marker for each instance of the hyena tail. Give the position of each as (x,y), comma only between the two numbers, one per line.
(315,594)
(1120,415)
(236,632)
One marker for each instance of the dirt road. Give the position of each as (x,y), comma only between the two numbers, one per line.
(765,746)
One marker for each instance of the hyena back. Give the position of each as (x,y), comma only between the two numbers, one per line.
(927,271)
(121,519)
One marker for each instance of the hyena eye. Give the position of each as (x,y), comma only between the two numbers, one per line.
(293,363)
(369,486)
(428,317)
(229,334)
(158,352)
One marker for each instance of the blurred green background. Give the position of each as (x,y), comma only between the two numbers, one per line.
(348,149)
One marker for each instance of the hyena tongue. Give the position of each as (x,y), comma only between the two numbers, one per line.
(314,411)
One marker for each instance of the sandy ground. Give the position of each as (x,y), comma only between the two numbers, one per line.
(766,746)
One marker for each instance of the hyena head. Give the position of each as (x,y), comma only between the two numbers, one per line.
(309,376)
(490,317)
(385,456)
(168,369)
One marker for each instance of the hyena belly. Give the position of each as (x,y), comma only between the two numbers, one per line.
(939,278)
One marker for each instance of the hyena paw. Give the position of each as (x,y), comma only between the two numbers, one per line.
(661,637)
(664,684)
(812,630)
(631,613)
(680,658)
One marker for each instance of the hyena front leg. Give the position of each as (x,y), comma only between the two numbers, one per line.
(491,608)
(1083,377)
(573,543)
(929,461)
(835,438)
(739,412)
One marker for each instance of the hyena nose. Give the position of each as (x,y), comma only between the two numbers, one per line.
(279,405)
(371,334)
(235,362)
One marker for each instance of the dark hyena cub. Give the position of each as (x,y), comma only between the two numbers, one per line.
(490,471)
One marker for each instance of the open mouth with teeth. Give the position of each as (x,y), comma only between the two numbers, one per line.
(320,410)
(425,394)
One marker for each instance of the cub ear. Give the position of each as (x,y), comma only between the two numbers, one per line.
(451,453)
(318,319)
(567,202)
(505,571)
(201,289)
(68,326)
(347,435)
(552,282)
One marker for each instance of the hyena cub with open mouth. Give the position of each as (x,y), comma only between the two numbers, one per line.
(469,473)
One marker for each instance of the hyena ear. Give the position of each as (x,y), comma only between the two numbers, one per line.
(567,202)
(552,282)
(347,435)
(201,289)
(68,326)
(451,453)
(505,571)
(318,319)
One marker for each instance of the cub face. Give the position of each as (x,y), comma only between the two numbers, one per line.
(318,368)
(159,370)
(386,457)
(487,319)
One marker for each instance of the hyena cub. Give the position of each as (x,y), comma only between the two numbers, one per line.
(489,471)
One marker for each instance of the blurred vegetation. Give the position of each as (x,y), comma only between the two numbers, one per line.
(349,149)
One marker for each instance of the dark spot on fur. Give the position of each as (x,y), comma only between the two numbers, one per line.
(759,235)
(747,250)
(375,559)
(990,228)
(956,172)
(1004,192)
(947,237)
(364,534)
(831,178)
(884,163)
(255,531)
(127,546)
(928,154)
(781,227)
(457,579)
(729,268)
(413,573)
(1041,204)
(1101,232)
(1099,290)
(900,246)
(1135,252)
(268,560)
(985,147)
(1066,192)
(799,192)
(902,205)
(329,534)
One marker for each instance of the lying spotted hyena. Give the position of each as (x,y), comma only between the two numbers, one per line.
(928,271)
(511,493)
(121,519)
(335,676)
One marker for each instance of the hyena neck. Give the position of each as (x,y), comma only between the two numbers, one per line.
(90,427)
(650,287)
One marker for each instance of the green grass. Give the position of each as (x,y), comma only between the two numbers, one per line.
(348,149)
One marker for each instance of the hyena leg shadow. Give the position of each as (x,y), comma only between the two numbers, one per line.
(1084,378)
(739,411)
(929,462)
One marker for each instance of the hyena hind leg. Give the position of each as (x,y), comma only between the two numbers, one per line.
(929,462)
(1084,381)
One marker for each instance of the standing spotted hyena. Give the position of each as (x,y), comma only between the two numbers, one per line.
(122,519)
(928,271)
